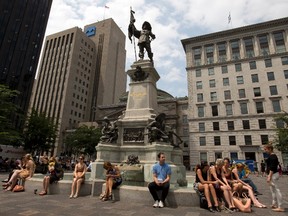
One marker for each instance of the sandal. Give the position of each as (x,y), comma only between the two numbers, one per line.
(42,193)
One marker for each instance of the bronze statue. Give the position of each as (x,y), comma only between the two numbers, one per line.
(144,36)
(109,131)
(139,74)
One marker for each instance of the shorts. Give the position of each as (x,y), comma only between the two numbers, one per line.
(24,174)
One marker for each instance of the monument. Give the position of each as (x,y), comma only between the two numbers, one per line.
(141,132)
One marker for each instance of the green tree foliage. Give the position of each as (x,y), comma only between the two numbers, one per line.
(40,133)
(281,140)
(8,134)
(83,140)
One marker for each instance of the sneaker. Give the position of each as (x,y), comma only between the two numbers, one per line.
(257,193)
(161,204)
(156,204)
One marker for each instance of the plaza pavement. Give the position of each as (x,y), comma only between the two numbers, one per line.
(29,204)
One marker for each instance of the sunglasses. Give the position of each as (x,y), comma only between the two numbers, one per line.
(80,158)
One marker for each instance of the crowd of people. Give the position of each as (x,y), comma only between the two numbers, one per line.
(220,185)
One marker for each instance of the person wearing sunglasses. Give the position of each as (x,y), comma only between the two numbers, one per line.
(79,177)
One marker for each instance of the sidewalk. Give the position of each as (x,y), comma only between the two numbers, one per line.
(24,203)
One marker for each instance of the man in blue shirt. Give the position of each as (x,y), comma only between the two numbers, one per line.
(161,177)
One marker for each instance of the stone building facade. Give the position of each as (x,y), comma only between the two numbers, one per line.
(237,84)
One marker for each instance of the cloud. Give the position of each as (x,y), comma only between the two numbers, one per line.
(171,21)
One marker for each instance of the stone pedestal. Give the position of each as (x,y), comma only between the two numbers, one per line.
(133,139)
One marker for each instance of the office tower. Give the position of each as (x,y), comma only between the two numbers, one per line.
(23,25)
(70,72)
(237,84)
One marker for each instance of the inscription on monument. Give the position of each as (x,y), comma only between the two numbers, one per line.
(133,135)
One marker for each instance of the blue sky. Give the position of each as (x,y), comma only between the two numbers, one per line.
(171,20)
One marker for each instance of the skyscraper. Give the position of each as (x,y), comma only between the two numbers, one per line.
(72,69)
(23,25)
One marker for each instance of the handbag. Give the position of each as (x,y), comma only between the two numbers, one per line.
(18,188)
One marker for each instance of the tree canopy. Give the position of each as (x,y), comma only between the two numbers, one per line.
(83,140)
(40,133)
(8,134)
(281,140)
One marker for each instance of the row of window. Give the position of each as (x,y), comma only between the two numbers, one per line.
(243,108)
(240,80)
(245,125)
(241,92)
(238,67)
(235,46)
(247,140)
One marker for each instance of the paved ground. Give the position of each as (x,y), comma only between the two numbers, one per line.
(24,203)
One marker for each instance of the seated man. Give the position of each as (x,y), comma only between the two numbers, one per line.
(161,177)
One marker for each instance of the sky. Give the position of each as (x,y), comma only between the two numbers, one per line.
(171,21)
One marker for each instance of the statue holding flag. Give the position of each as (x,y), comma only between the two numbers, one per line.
(145,36)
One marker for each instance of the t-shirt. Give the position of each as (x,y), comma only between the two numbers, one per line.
(272,163)
(161,171)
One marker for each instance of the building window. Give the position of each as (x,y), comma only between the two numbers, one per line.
(211,71)
(249,47)
(240,80)
(229,110)
(200,97)
(246,124)
(222,52)
(200,111)
(184,119)
(241,93)
(214,110)
(284,60)
(201,127)
(230,125)
(254,78)
(286,74)
(270,76)
(185,132)
(273,90)
(280,123)
(184,107)
(225,81)
(259,107)
(216,126)
(212,83)
(279,42)
(232,140)
(248,140)
(202,141)
(199,84)
(213,96)
(252,65)
(197,56)
(238,67)
(235,49)
(218,155)
(233,156)
(203,156)
(276,105)
(257,92)
(264,139)
(217,140)
(209,54)
(227,95)
(262,123)
(198,73)
(224,69)
(264,45)
(268,63)
(243,108)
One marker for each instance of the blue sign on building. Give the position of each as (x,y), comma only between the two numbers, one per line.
(90,31)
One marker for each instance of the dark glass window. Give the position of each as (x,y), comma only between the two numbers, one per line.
(230,125)
(262,123)
(232,140)
(246,124)
(217,140)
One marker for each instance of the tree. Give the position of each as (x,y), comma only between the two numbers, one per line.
(40,133)
(83,140)
(8,134)
(281,140)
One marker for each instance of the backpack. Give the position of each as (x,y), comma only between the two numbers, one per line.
(59,171)
(203,201)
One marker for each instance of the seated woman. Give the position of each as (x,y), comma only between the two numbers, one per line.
(216,173)
(26,172)
(54,174)
(203,185)
(235,170)
(79,177)
(234,184)
(113,180)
